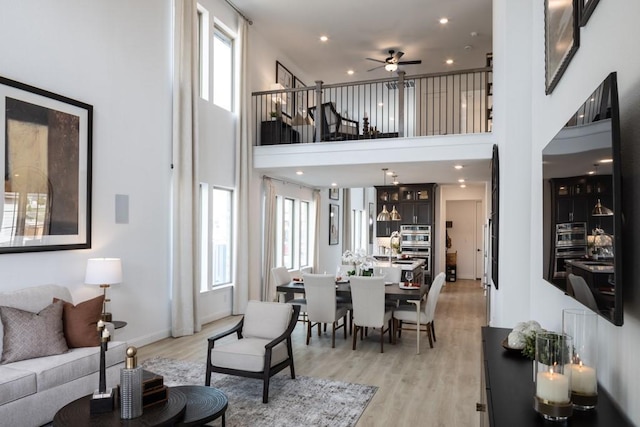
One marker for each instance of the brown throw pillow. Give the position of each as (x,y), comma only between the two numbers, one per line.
(79,322)
(28,335)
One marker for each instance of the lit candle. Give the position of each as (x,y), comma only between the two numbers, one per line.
(100,324)
(552,386)
(105,334)
(583,379)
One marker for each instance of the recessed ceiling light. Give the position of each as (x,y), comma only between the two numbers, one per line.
(380,104)
(463,186)
(461,180)
(299,173)
(449,61)
(444,20)
(606,160)
(350,72)
(390,173)
(334,184)
(591,172)
(324,38)
(458,167)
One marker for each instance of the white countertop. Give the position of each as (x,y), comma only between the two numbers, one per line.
(404,264)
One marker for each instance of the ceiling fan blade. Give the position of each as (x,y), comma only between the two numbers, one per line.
(375,68)
(376,60)
(419,61)
(396,56)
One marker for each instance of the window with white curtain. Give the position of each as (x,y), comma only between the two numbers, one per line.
(293,233)
(203,50)
(216,226)
(222,69)
(359,226)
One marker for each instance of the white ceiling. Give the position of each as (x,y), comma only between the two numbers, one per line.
(361,29)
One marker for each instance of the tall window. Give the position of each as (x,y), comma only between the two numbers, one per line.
(216,236)
(222,69)
(221,220)
(203,50)
(359,230)
(293,233)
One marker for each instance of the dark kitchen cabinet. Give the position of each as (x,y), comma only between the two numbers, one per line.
(415,213)
(575,197)
(572,209)
(385,228)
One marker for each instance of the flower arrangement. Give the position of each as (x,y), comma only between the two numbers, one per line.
(359,259)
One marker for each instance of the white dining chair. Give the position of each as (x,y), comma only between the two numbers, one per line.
(322,306)
(421,313)
(281,276)
(369,309)
(391,274)
(582,292)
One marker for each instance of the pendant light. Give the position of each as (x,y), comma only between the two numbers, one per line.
(384,214)
(600,210)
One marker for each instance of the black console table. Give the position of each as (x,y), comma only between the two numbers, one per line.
(277,132)
(508,391)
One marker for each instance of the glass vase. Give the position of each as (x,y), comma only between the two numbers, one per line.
(582,326)
(552,369)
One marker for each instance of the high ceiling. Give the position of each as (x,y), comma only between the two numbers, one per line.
(368,29)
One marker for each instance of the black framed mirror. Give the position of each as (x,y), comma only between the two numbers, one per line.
(582,205)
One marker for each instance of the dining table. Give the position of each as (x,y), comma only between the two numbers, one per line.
(392,292)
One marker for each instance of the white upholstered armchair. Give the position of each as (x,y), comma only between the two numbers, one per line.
(263,347)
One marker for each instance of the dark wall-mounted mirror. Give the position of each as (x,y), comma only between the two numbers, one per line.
(582,206)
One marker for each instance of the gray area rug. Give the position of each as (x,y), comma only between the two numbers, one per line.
(304,401)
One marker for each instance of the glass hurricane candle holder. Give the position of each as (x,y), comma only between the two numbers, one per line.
(552,368)
(582,326)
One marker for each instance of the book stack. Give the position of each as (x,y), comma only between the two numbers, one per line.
(153,389)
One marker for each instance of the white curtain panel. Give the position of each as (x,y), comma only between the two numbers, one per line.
(185,254)
(316,241)
(346,220)
(268,288)
(243,272)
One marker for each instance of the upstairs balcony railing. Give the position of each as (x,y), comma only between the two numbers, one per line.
(394,107)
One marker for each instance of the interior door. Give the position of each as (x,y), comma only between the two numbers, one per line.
(479,241)
(462,214)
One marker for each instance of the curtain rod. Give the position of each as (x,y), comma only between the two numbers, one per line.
(288,182)
(234,7)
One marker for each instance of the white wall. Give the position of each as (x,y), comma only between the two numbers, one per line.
(525,121)
(116,56)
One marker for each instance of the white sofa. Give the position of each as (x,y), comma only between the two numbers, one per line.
(33,390)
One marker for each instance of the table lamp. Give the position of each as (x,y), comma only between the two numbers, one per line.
(104,272)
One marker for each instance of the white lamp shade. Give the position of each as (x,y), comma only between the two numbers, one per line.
(103,271)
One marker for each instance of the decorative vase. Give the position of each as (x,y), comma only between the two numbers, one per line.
(582,326)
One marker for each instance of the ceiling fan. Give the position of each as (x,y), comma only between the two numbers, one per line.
(392,61)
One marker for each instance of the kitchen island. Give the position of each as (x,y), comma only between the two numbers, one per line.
(414,265)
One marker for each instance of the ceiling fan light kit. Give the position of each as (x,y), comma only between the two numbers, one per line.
(392,61)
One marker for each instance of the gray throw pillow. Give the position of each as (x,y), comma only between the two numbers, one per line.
(28,335)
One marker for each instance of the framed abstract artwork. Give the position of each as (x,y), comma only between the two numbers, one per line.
(285,78)
(45,158)
(334,220)
(562,39)
(334,194)
(586,8)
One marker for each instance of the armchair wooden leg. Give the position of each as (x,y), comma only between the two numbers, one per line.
(344,326)
(355,335)
(265,390)
(308,332)
(333,335)
(382,339)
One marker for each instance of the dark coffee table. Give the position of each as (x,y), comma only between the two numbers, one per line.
(187,406)
(204,404)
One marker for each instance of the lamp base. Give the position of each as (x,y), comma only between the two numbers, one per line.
(105,317)
(101,402)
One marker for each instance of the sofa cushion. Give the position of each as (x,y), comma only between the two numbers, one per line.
(266,320)
(247,354)
(59,369)
(32,299)
(15,384)
(79,322)
(28,335)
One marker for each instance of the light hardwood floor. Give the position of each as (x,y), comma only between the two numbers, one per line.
(438,387)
